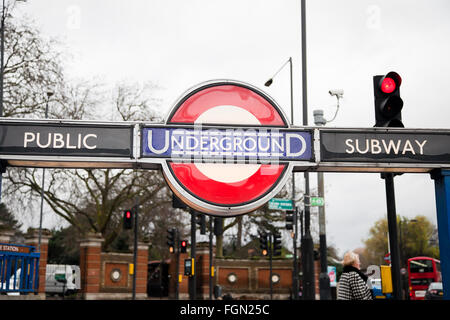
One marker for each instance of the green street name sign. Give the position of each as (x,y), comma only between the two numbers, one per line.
(316,201)
(281,204)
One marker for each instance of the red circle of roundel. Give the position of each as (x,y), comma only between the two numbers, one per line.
(202,100)
(216,192)
(229,194)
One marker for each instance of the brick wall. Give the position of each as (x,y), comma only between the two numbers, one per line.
(142,270)
(107,275)
(32,239)
(252,278)
(90,250)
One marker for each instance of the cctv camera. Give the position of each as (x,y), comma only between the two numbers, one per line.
(336,92)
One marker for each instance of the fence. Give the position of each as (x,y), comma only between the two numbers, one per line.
(14,259)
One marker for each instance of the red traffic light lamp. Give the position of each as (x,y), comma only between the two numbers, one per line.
(390,82)
(388,104)
(183,246)
(128,219)
(388,85)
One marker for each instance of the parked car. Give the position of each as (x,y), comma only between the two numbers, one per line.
(62,279)
(434,291)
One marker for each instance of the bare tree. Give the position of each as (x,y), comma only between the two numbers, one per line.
(93,199)
(32,65)
(88,199)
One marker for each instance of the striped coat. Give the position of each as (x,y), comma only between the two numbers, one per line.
(353,287)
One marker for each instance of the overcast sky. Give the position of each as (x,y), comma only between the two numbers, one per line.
(177,44)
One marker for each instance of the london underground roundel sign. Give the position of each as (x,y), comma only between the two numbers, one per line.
(226,148)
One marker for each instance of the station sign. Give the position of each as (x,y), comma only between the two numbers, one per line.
(384,148)
(50,140)
(267,145)
(226,148)
(6,247)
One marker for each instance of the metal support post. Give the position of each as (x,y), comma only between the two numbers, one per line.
(177,252)
(193,278)
(393,240)
(270,248)
(309,290)
(324,279)
(295,269)
(136,225)
(210,257)
(307,243)
(442,191)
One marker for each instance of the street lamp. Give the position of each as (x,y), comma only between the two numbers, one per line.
(270,81)
(324,279)
(295,271)
(49,94)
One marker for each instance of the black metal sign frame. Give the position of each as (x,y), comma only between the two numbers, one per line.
(62,143)
(383,149)
(94,144)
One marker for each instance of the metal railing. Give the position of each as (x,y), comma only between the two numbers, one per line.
(19,268)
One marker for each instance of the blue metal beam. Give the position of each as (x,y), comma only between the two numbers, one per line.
(442,189)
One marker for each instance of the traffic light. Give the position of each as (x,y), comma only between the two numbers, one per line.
(171,234)
(263,243)
(290,220)
(201,221)
(388,104)
(218,226)
(177,203)
(189,267)
(183,246)
(277,244)
(128,219)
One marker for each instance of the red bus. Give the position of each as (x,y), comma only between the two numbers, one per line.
(421,272)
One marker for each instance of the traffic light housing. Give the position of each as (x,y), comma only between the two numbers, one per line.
(183,246)
(388,104)
(171,234)
(290,220)
(218,226)
(277,244)
(201,221)
(263,243)
(177,203)
(189,267)
(128,219)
